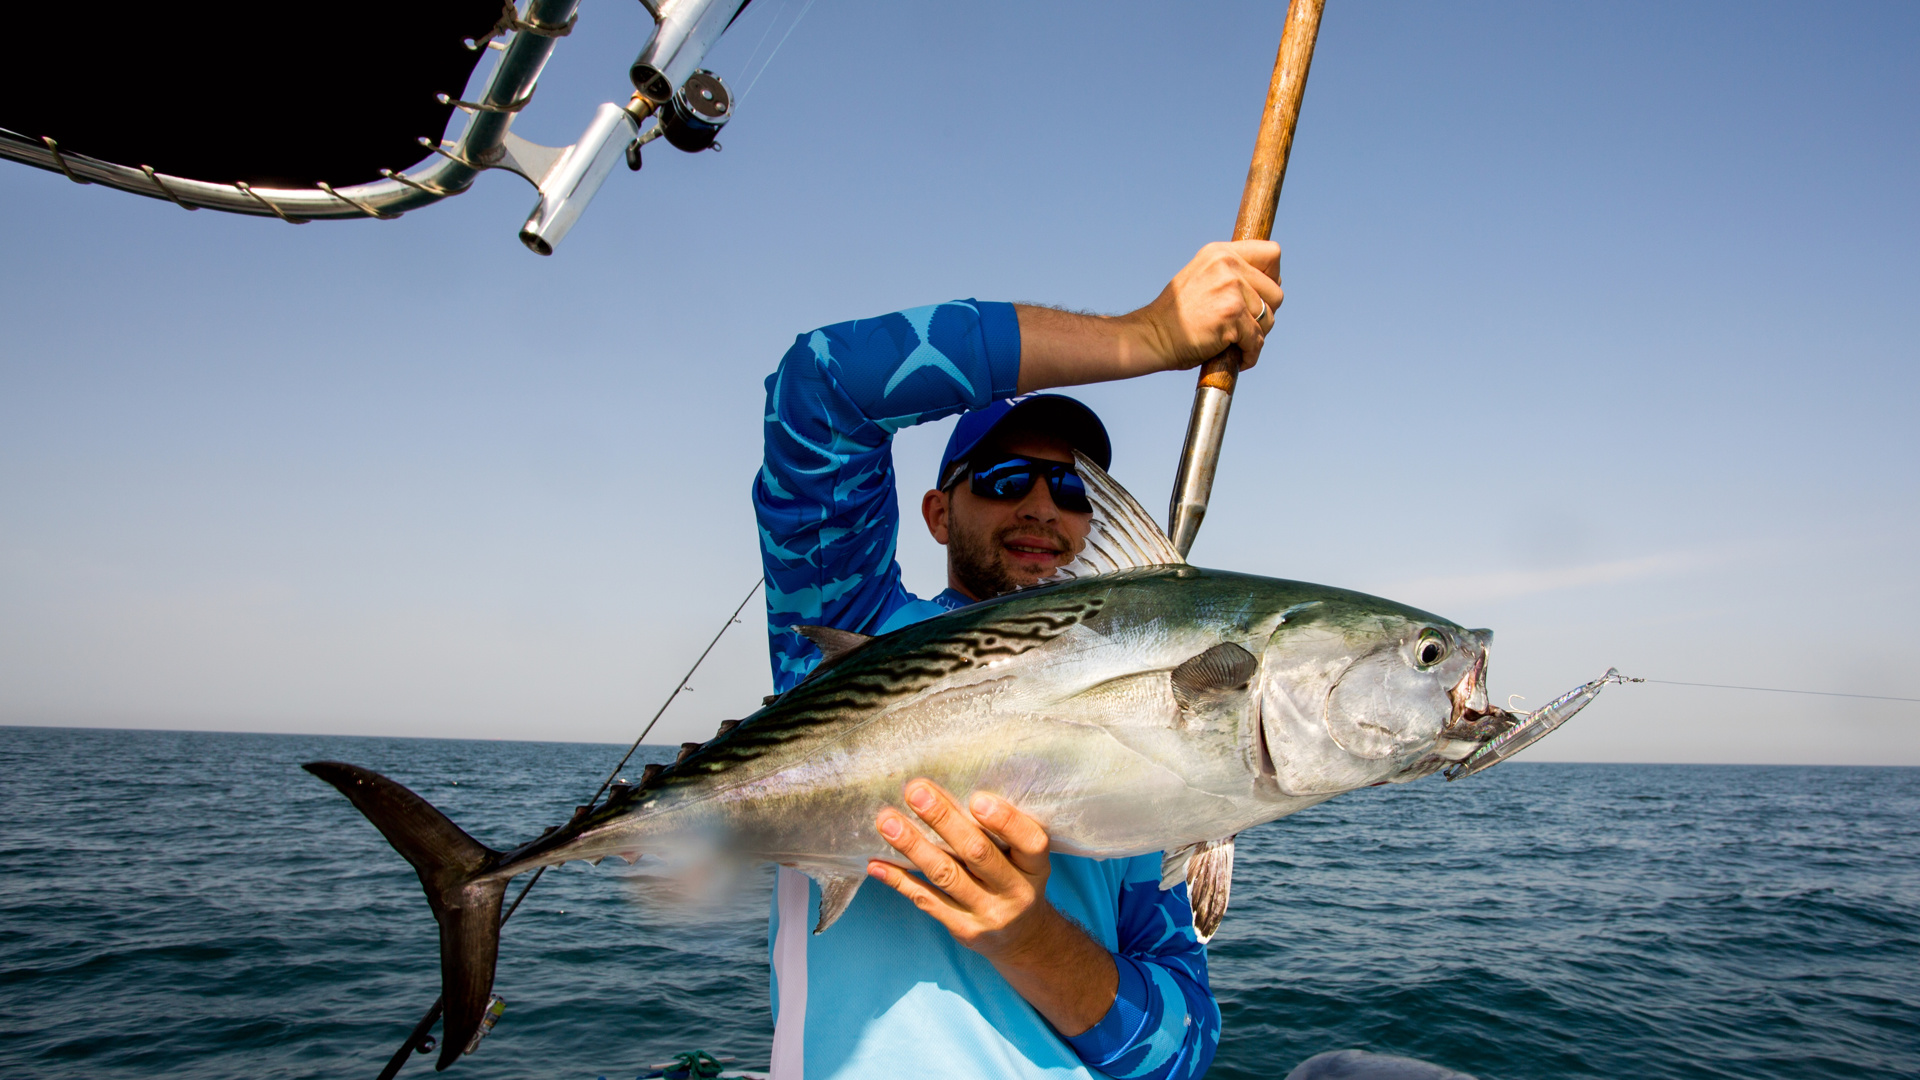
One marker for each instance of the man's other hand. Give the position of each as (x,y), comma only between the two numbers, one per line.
(992,902)
(995,902)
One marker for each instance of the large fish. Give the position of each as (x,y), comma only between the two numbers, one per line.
(1137,705)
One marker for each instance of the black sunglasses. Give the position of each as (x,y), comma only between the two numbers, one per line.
(1012,477)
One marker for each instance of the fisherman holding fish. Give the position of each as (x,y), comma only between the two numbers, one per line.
(998,960)
(1067,767)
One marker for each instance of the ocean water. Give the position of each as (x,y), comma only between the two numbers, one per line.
(193,905)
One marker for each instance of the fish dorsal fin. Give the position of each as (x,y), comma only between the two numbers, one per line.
(1123,535)
(834,645)
(1207,868)
(1224,669)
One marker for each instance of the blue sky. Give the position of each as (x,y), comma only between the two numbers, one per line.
(1600,331)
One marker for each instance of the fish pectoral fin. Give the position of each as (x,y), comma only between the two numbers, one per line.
(1220,671)
(836,892)
(1207,868)
(835,645)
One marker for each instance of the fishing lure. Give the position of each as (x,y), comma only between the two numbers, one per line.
(1535,726)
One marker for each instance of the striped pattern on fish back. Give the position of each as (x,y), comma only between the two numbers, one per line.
(892,668)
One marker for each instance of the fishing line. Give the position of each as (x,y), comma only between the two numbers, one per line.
(1777,690)
(808,6)
(773,20)
(416,1040)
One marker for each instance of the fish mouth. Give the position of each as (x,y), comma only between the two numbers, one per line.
(1480,725)
(1467,688)
(1473,718)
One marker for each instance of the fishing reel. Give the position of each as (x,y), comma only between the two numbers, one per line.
(697,112)
(691,119)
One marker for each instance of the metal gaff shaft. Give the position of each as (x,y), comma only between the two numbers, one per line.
(1211,400)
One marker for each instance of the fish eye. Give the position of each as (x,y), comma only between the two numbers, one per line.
(1430,649)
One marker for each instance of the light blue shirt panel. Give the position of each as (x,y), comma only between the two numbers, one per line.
(891,993)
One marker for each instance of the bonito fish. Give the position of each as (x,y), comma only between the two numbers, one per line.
(1136,705)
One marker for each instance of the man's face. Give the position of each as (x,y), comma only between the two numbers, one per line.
(995,546)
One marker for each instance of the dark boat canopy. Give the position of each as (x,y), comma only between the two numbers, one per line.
(304,111)
(277,95)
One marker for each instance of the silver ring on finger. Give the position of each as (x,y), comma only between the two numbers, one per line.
(1264,312)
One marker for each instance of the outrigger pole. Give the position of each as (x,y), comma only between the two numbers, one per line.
(1211,400)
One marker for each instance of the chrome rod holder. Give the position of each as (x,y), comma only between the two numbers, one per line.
(684,31)
(576,175)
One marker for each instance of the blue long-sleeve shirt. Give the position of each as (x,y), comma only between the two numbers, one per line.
(887,991)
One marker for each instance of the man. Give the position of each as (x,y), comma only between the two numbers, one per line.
(987,964)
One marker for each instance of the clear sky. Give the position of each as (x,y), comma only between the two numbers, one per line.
(1600,331)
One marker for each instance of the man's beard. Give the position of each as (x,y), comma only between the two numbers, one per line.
(980,562)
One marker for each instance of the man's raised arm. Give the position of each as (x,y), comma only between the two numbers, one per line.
(825,497)
(1225,296)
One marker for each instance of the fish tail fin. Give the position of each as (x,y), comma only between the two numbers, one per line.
(452,868)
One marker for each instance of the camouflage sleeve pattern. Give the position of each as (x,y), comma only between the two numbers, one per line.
(1164,1023)
(825,496)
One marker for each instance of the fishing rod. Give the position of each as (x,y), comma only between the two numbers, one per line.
(420,1040)
(1207,426)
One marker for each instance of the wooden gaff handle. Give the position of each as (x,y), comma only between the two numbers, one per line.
(1207,427)
(1268,171)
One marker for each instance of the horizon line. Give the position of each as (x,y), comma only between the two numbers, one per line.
(675,746)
